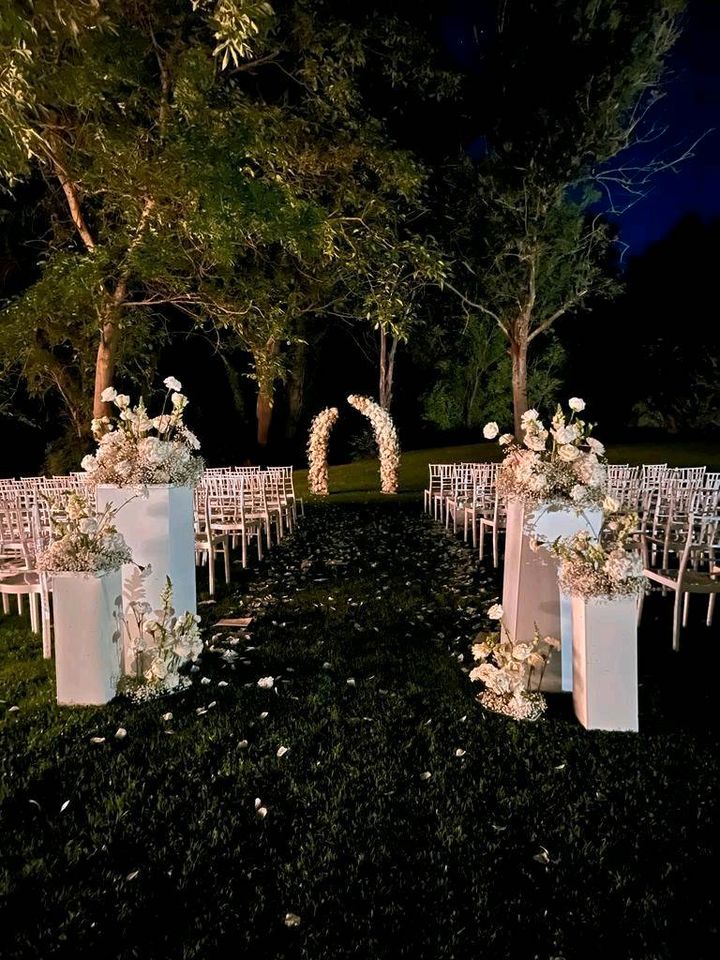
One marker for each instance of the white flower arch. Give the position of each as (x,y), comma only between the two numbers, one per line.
(317,450)
(386,438)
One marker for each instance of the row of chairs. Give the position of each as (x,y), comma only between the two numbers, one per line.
(232,507)
(467,493)
(678,533)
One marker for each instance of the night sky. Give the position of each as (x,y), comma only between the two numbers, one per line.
(690,110)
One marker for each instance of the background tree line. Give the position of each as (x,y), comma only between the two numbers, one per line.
(287,203)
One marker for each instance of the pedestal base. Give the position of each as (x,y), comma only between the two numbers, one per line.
(88,637)
(159,530)
(605,690)
(531,598)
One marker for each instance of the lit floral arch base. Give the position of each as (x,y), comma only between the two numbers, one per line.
(386,438)
(317,450)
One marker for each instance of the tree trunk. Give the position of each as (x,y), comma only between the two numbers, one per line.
(105,366)
(518,353)
(388,347)
(264,412)
(266,389)
(296,388)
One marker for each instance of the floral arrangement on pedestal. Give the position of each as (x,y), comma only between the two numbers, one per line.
(386,438)
(162,646)
(508,671)
(83,541)
(317,449)
(560,464)
(604,567)
(135,449)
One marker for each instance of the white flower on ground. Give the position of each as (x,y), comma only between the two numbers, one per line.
(576,404)
(172,383)
(495,612)
(481,650)
(266,683)
(281,751)
(108,394)
(292,920)
(491,430)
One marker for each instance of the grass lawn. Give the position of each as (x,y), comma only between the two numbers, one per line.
(525,840)
(360,480)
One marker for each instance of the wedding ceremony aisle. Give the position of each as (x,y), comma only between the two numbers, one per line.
(329,787)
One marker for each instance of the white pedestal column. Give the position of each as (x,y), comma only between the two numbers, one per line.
(530,588)
(605,688)
(160,533)
(88,636)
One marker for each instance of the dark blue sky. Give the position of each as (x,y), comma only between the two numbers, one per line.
(689,110)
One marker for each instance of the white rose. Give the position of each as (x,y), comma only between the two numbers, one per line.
(536,441)
(505,439)
(266,683)
(481,650)
(495,612)
(610,505)
(491,430)
(567,453)
(108,394)
(566,434)
(172,383)
(122,400)
(521,651)
(529,415)
(576,404)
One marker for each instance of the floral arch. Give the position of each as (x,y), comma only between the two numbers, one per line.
(385,436)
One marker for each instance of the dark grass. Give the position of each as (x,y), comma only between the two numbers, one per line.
(160,852)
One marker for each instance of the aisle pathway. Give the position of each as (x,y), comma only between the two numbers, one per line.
(369,585)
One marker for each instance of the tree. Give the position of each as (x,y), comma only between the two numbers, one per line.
(167,171)
(534,243)
(202,160)
(472,370)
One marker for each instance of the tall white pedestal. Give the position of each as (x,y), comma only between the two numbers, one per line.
(530,588)
(160,533)
(88,636)
(605,688)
